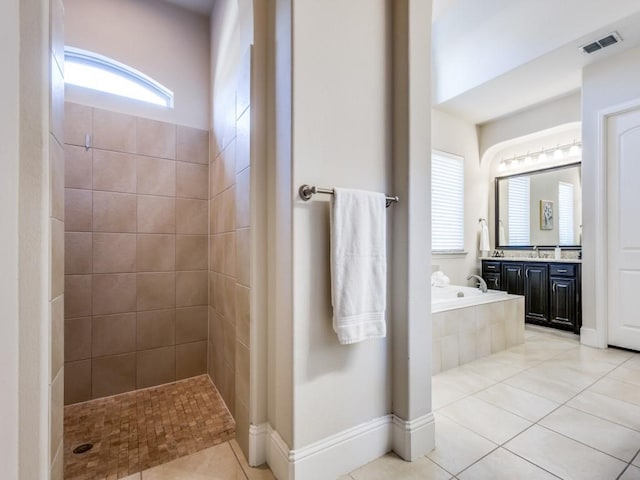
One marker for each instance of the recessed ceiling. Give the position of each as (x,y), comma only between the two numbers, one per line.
(203,7)
(495,57)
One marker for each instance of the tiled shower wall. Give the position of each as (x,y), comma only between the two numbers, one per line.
(136,257)
(229,270)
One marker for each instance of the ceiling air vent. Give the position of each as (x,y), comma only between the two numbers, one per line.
(610,39)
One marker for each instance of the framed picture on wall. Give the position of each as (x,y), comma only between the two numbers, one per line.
(546,215)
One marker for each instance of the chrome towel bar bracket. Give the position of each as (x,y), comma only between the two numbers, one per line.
(307,191)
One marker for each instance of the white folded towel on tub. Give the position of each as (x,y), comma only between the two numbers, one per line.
(358,265)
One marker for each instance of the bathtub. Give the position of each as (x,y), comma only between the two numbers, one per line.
(455,296)
(469,324)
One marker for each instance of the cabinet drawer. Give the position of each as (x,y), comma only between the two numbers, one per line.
(491,267)
(562,269)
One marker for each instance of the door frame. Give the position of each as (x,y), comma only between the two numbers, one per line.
(599,336)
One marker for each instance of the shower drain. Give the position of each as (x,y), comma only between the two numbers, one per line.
(85,447)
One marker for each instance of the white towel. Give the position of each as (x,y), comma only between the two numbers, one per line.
(358,265)
(484,237)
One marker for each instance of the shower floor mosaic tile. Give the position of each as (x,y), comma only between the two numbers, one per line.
(142,429)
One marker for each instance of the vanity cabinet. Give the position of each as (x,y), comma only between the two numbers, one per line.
(551,289)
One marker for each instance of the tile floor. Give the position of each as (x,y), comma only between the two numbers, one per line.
(138,430)
(547,409)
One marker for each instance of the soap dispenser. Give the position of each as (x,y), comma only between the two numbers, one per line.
(557,252)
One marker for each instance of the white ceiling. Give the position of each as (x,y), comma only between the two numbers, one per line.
(495,57)
(203,7)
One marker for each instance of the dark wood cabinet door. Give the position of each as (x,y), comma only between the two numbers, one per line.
(536,292)
(513,278)
(563,303)
(493,280)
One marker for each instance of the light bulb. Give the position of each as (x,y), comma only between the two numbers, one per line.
(528,159)
(557,155)
(542,157)
(575,150)
(502,167)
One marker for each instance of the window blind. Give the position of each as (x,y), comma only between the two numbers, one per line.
(447,203)
(565,213)
(519,211)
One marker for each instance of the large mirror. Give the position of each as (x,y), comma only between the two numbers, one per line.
(541,208)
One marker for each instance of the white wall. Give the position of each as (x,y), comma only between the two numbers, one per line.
(342,138)
(608,83)
(9,151)
(539,118)
(163,41)
(455,135)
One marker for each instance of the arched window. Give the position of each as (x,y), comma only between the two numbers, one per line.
(91,70)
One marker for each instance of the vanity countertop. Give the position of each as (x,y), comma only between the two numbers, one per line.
(533,259)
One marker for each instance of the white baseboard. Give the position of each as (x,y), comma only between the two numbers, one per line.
(343,452)
(412,439)
(590,338)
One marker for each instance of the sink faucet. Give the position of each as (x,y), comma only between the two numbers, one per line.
(482,285)
(536,252)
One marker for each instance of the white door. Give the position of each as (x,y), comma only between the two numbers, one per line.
(623,196)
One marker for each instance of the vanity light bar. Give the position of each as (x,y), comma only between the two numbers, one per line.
(543,155)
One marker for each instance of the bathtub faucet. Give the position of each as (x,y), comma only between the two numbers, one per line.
(482,285)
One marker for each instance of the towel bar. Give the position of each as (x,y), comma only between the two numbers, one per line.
(307,191)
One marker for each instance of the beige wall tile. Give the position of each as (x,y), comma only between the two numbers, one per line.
(78,168)
(78,122)
(156,214)
(77,339)
(56,102)
(243,315)
(191,252)
(242,374)
(155,139)
(114,252)
(114,131)
(243,83)
(77,382)
(191,359)
(228,298)
(113,374)
(228,165)
(213,298)
(218,292)
(114,171)
(191,288)
(243,198)
(192,216)
(229,346)
(78,258)
(113,334)
(229,395)
(193,145)
(156,366)
(114,293)
(114,212)
(156,291)
(228,253)
(214,209)
(243,257)
(77,302)
(192,180)
(156,176)
(56,315)
(217,178)
(192,324)
(56,179)
(156,328)
(78,210)
(56,285)
(156,253)
(243,141)
(56,422)
(226,221)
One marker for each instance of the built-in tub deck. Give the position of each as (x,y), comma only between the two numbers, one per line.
(469,324)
